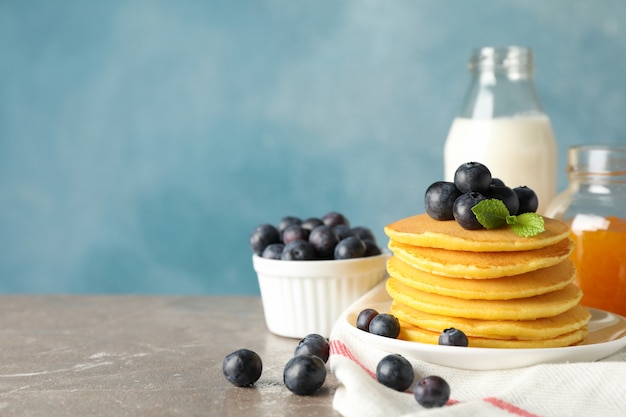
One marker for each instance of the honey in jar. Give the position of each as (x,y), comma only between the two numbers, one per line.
(594,204)
(600,259)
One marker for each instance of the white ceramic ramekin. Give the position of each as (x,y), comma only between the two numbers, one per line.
(303,297)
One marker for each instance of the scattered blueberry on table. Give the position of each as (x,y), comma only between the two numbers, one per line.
(243,367)
(313,344)
(304,374)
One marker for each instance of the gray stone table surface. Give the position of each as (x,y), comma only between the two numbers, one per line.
(127,355)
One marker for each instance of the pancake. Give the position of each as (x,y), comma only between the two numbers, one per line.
(422,230)
(415,334)
(502,290)
(545,305)
(543,328)
(532,283)
(481,265)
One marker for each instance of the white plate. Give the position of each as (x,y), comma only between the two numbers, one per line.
(607,335)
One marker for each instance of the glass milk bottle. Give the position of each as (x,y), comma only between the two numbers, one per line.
(594,204)
(502,124)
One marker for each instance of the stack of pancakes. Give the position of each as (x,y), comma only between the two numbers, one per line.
(502,290)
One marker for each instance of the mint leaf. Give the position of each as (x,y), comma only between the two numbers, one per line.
(493,213)
(528,224)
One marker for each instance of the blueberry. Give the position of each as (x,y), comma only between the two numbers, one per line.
(298,250)
(528,201)
(324,240)
(287,221)
(395,372)
(311,223)
(432,391)
(304,374)
(498,182)
(262,236)
(349,248)
(314,344)
(462,210)
(342,231)
(439,200)
(453,337)
(363,233)
(364,318)
(295,232)
(506,195)
(472,177)
(242,367)
(334,218)
(371,248)
(385,325)
(273,251)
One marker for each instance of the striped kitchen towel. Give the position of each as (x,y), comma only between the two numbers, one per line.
(584,389)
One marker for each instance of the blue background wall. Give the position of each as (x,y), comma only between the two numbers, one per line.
(142,141)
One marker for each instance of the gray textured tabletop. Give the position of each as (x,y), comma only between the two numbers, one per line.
(141,356)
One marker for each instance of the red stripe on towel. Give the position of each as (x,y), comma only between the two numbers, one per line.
(509,407)
(339,348)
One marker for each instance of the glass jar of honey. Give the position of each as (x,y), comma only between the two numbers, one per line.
(594,205)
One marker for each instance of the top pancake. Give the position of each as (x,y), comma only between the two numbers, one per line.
(422,230)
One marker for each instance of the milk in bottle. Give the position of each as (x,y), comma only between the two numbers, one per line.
(502,124)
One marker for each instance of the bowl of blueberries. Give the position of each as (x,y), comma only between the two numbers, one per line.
(311,270)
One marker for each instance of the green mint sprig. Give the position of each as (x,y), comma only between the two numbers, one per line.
(493,213)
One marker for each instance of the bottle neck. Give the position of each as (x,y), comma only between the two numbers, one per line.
(501,84)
